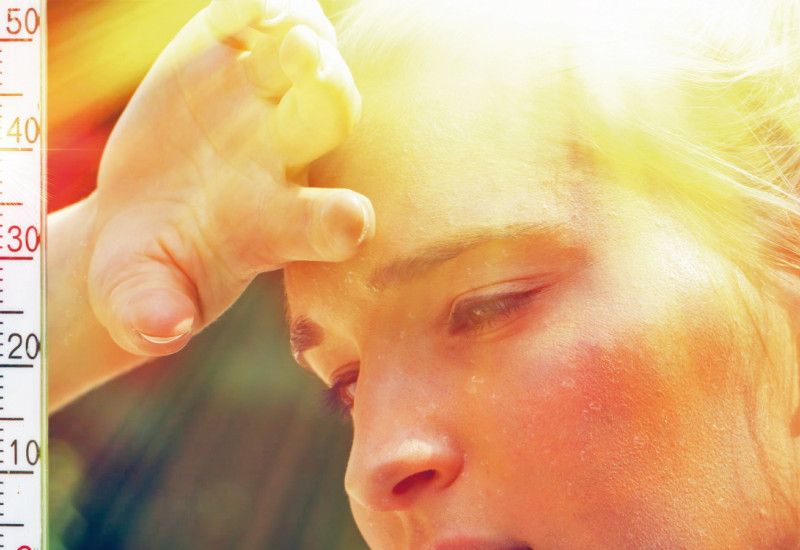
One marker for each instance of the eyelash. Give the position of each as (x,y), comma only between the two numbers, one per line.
(337,399)
(482,313)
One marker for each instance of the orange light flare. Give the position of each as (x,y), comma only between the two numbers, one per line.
(97,55)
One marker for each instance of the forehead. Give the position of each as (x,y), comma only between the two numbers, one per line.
(454,138)
(445,156)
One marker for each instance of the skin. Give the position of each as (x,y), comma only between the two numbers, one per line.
(536,354)
(202,186)
(583,371)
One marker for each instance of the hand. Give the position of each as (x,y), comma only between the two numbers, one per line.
(202,184)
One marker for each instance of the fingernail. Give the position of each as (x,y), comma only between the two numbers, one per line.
(369,224)
(346,221)
(181,329)
(160,339)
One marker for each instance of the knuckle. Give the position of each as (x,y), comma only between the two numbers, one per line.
(280,19)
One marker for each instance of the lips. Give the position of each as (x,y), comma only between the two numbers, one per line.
(478,544)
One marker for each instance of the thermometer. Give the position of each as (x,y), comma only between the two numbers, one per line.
(23,392)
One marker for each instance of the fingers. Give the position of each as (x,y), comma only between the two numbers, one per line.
(156,318)
(289,57)
(228,17)
(283,15)
(264,70)
(323,105)
(326,224)
(153,283)
(244,22)
(301,223)
(150,311)
(146,302)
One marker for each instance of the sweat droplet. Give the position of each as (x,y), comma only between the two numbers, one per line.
(472,385)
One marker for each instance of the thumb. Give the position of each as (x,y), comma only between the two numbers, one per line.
(149,307)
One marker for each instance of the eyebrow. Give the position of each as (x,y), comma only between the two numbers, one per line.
(432,255)
(306,334)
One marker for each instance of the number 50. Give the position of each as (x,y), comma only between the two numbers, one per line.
(15,24)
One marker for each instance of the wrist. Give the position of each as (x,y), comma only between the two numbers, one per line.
(81,354)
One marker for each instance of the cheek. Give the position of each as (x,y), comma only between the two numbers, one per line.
(612,416)
(570,413)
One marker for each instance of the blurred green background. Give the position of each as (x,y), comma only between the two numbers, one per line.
(224,445)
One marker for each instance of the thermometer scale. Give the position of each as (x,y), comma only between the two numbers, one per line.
(23,416)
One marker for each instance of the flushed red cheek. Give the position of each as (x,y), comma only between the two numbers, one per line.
(580,423)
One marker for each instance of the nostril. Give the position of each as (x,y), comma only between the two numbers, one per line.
(420,478)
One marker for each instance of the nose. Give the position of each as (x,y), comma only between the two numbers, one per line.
(393,470)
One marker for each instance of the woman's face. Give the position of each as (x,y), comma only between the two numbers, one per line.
(537,357)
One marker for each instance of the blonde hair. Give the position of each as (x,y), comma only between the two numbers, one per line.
(697,100)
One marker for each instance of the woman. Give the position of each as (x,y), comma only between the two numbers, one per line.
(565,317)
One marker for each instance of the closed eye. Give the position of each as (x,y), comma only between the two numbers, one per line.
(340,397)
(478,314)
